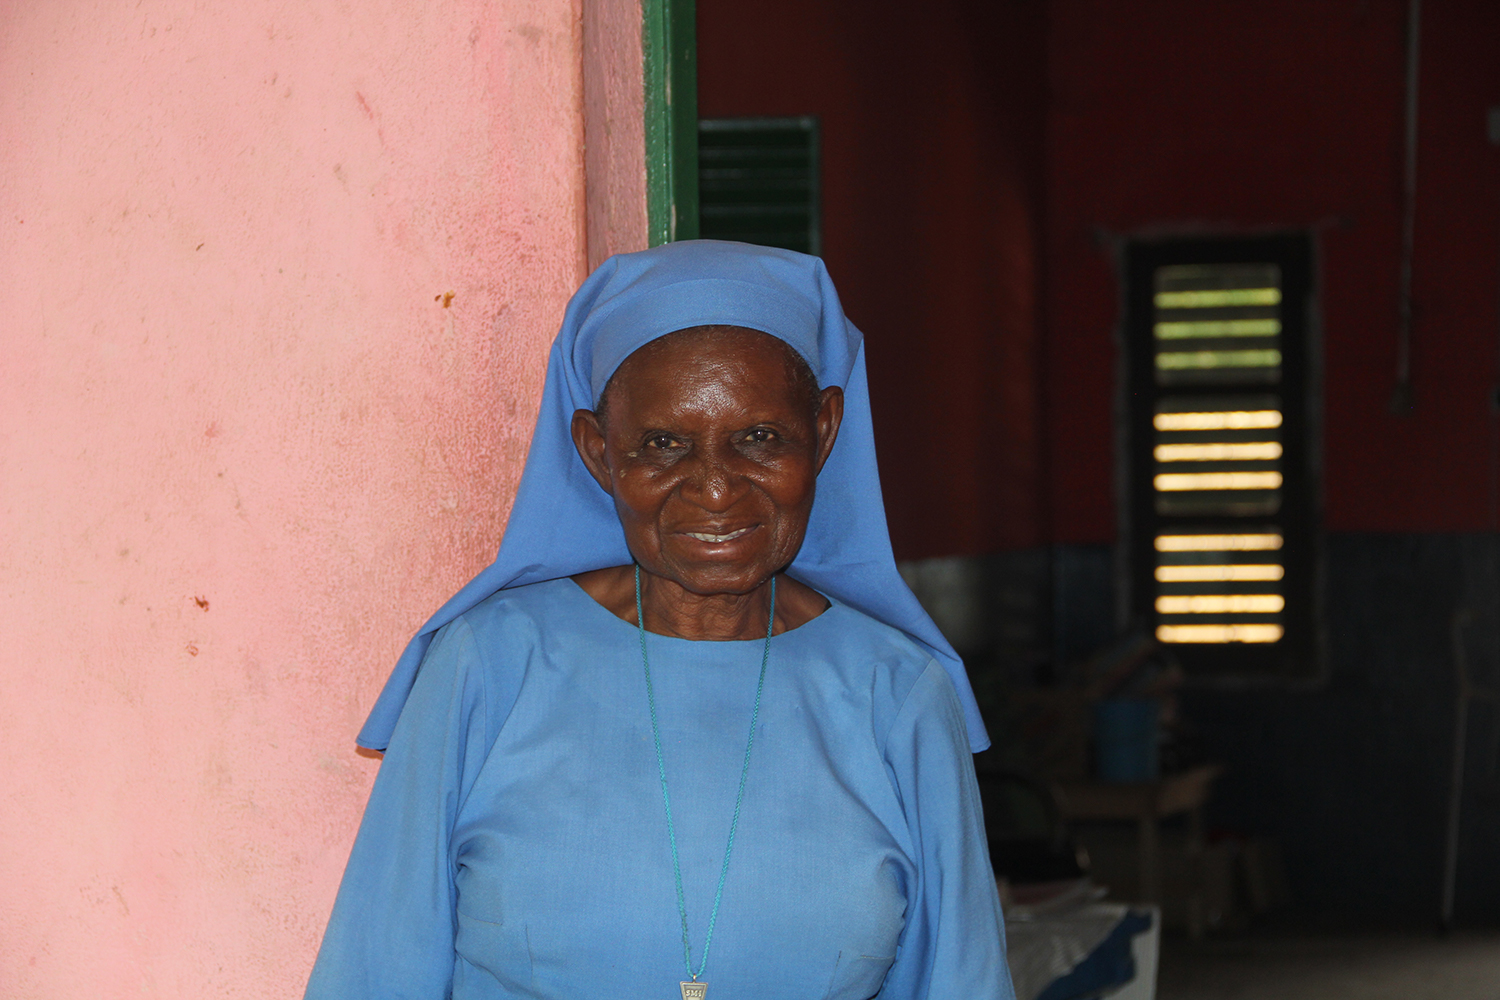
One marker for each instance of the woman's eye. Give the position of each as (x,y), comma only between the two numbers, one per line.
(761,435)
(661,442)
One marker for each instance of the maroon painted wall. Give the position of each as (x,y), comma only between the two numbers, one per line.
(932,153)
(1240,115)
(980,160)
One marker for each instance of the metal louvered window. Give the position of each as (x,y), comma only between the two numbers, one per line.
(758,182)
(1220,502)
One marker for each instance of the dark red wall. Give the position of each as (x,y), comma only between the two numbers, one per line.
(932,160)
(1282,114)
(982,159)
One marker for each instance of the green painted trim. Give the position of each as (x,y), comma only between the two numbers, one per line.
(669,42)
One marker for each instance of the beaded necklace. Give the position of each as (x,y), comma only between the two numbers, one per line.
(692,989)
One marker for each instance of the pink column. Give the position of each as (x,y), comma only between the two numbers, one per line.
(614,132)
(278,284)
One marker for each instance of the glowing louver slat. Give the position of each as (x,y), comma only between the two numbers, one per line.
(1219,633)
(1217,328)
(1197,573)
(1177,482)
(1252,451)
(1218,604)
(1218,543)
(1218,421)
(1208,298)
(1170,360)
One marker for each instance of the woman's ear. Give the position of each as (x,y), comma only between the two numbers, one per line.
(830,417)
(588,438)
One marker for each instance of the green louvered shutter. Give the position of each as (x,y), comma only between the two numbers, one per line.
(758,182)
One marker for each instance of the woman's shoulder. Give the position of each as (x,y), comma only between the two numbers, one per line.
(495,643)
(901,677)
(870,633)
(522,611)
(885,655)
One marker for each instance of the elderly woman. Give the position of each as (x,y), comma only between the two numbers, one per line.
(690,730)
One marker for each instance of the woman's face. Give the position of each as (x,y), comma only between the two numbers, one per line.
(711,448)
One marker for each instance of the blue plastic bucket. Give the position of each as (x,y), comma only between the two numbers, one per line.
(1126,739)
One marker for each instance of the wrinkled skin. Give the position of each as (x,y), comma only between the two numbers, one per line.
(710,448)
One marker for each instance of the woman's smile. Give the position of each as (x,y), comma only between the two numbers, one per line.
(718,537)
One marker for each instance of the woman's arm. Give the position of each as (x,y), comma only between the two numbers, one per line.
(391,933)
(953,945)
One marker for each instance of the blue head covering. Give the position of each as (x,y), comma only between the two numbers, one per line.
(562,523)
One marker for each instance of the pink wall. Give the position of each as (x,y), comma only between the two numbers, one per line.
(614,128)
(247,440)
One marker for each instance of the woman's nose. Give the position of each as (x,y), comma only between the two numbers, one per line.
(713,484)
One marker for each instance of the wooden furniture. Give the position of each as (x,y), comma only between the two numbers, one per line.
(1148,803)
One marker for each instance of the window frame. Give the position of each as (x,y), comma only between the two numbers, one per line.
(1298,656)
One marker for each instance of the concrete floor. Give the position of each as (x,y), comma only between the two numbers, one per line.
(1384,966)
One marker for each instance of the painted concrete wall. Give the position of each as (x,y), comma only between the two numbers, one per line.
(1174,116)
(278,282)
(614,128)
(972,201)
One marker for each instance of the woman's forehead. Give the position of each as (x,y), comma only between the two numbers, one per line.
(720,340)
(723,349)
(717,337)
(685,362)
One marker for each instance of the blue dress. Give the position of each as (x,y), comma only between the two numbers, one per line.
(515,844)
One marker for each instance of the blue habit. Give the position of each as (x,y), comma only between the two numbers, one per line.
(515,843)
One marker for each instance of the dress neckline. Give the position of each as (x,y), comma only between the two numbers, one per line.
(726,643)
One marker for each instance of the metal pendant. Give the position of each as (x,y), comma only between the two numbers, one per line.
(694,990)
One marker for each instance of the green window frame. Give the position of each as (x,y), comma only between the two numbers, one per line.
(669,45)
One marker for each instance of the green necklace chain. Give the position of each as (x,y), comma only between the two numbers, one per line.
(687,948)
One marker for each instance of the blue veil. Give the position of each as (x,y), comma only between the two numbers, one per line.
(562,523)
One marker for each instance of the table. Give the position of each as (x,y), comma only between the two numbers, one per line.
(1148,803)
(1044,945)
